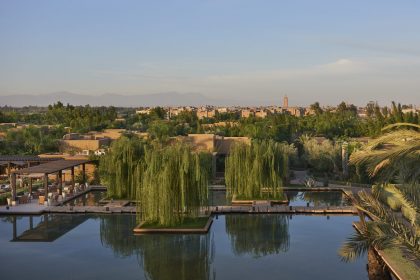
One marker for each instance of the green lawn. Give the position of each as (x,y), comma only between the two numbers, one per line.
(408,269)
(189,223)
(262,197)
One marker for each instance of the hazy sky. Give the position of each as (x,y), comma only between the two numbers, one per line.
(329,51)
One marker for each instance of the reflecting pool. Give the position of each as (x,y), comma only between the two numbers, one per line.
(296,198)
(317,198)
(261,246)
(91,198)
(218,198)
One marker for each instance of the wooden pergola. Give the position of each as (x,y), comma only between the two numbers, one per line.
(27,161)
(53,167)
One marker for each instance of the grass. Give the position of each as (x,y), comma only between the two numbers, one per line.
(407,268)
(188,223)
(262,197)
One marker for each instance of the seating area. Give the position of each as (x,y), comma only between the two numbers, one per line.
(54,195)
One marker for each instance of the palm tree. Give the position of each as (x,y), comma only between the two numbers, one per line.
(393,156)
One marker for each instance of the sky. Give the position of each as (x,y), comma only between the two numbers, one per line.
(326,50)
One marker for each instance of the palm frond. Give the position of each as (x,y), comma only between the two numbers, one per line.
(371,235)
(400,125)
(383,157)
(384,227)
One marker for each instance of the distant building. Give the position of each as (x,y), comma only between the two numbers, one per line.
(409,110)
(201,114)
(362,112)
(112,133)
(211,142)
(285,102)
(143,111)
(261,113)
(219,146)
(295,111)
(83,144)
(246,113)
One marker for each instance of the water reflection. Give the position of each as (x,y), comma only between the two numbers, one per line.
(258,235)
(103,247)
(317,198)
(162,256)
(91,198)
(116,232)
(45,228)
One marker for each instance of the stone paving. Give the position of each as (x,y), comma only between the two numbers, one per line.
(31,208)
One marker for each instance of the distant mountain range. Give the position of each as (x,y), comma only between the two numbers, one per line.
(118,100)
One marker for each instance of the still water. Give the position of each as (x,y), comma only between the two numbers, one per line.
(272,246)
(317,198)
(91,198)
(296,198)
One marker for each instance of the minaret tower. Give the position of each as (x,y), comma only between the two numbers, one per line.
(285,102)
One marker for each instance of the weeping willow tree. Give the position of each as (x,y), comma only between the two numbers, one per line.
(258,170)
(172,184)
(117,168)
(258,235)
(174,256)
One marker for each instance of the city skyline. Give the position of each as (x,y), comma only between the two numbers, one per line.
(328,51)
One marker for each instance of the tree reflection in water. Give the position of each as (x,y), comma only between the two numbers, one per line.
(320,198)
(162,256)
(116,233)
(176,256)
(258,235)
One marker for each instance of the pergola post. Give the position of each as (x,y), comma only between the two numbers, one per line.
(84,173)
(30,180)
(60,182)
(30,186)
(46,186)
(214,164)
(14,228)
(13,183)
(72,177)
